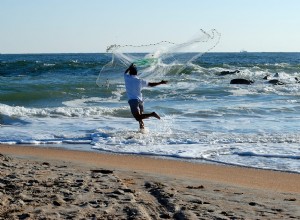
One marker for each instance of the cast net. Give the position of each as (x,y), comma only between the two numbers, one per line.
(156,60)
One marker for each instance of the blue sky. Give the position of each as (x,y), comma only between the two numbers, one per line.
(54,26)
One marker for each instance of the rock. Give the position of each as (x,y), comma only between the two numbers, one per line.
(241,81)
(276,82)
(224,73)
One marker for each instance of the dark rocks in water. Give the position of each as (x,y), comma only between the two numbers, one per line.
(241,81)
(276,82)
(276,75)
(224,73)
(269,75)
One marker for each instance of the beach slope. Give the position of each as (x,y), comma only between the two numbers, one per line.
(49,183)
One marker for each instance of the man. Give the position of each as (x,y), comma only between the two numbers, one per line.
(134,86)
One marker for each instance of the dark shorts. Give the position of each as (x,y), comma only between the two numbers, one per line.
(136,107)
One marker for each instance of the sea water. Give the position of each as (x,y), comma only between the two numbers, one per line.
(52,100)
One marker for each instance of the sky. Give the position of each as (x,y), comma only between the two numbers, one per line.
(89,26)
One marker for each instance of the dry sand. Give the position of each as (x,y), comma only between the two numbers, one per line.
(48,183)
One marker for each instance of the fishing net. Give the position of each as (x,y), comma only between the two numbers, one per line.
(156,60)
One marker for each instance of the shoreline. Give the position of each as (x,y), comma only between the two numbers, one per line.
(228,174)
(51,183)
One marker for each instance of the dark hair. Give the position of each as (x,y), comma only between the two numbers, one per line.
(132,69)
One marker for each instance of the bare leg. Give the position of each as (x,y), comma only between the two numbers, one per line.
(145,116)
(142,126)
(141,117)
(155,115)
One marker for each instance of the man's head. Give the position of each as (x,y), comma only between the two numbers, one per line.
(132,70)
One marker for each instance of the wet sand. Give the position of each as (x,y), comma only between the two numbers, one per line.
(48,183)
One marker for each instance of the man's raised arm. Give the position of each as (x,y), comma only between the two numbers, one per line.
(152,84)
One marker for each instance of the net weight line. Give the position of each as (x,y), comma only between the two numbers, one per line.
(114,47)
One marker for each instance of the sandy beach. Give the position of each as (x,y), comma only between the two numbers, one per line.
(50,183)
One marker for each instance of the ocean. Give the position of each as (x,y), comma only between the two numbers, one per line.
(52,100)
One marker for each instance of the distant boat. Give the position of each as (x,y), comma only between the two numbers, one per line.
(243,51)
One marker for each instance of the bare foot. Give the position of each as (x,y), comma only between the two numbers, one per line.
(155,115)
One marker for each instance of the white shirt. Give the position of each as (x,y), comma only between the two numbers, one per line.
(134,86)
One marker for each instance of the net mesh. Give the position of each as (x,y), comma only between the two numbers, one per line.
(156,60)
